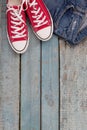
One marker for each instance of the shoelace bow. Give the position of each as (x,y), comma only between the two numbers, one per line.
(16,20)
(16,16)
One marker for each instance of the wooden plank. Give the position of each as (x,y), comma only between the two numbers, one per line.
(73,85)
(50,84)
(9,79)
(30,86)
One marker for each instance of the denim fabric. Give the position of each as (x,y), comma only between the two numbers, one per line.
(80,5)
(69,18)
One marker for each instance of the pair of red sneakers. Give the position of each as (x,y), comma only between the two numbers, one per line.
(17,30)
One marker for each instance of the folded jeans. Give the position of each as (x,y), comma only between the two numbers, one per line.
(70,19)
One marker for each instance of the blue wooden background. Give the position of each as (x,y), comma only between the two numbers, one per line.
(45,88)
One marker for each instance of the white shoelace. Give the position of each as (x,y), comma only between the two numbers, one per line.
(37,15)
(16,20)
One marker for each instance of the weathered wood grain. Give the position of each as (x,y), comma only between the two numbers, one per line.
(50,84)
(9,79)
(73,87)
(30,86)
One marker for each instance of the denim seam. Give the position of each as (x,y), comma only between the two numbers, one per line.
(81,9)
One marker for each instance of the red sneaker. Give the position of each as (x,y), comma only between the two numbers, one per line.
(17,31)
(40,19)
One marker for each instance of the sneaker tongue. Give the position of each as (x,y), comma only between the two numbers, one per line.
(15,7)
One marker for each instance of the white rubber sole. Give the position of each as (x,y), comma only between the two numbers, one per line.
(22,51)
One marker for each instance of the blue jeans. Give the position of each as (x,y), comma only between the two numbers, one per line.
(70,19)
